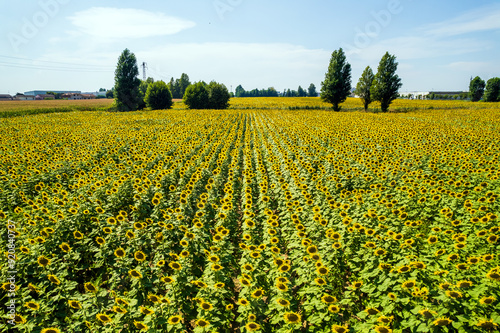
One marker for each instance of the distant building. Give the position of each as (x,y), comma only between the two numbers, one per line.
(72,96)
(44,97)
(5,97)
(414,94)
(96,93)
(88,96)
(21,97)
(44,92)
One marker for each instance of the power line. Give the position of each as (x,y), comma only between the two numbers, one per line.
(54,62)
(61,69)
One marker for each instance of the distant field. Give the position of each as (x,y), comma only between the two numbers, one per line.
(20,108)
(28,107)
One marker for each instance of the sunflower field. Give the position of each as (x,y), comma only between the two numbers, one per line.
(253,219)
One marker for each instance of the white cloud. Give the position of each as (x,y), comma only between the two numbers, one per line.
(112,23)
(483,19)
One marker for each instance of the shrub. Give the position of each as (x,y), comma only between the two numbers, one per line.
(158,96)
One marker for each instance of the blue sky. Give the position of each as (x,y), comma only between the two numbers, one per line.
(74,45)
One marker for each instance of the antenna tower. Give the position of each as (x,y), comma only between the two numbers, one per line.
(144,66)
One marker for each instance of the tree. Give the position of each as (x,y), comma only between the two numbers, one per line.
(110,93)
(337,84)
(240,91)
(311,91)
(492,92)
(196,96)
(218,96)
(476,89)
(301,92)
(386,83)
(158,96)
(183,84)
(143,88)
(126,82)
(364,85)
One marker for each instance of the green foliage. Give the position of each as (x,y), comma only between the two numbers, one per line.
(179,86)
(476,89)
(218,96)
(337,84)
(196,96)
(126,82)
(143,88)
(311,91)
(364,85)
(158,96)
(386,83)
(492,92)
(202,96)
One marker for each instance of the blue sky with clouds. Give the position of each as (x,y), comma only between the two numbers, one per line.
(74,45)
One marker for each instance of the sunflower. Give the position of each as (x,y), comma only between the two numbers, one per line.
(292,318)
(494,274)
(50,330)
(258,293)
(340,329)
(89,287)
(229,307)
(320,281)
(103,318)
(146,311)
(140,256)
(442,321)
(432,240)
(243,302)
(409,284)
(464,284)
(154,298)
(404,269)
(18,319)
(74,304)
(282,287)
(53,279)
(32,305)
(174,320)
(487,300)
(135,274)
(248,267)
(120,253)
(206,306)
(119,310)
(43,261)
(385,319)
(453,294)
(202,322)
(140,325)
(65,247)
(252,326)
(357,284)
(487,324)
(322,270)
(175,265)
(121,301)
(167,279)
(328,299)
(492,239)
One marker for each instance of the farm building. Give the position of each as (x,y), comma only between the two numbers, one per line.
(5,97)
(44,97)
(21,97)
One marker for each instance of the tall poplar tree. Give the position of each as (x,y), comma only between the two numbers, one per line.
(127,83)
(337,84)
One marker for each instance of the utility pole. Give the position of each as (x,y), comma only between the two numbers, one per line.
(144,66)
